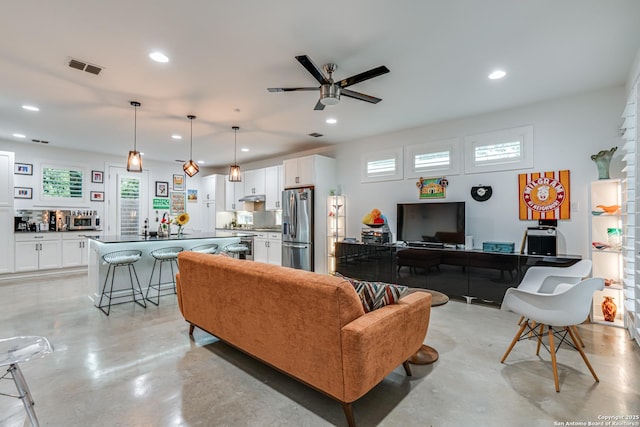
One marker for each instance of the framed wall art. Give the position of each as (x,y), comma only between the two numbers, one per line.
(162,189)
(22,193)
(97,176)
(23,169)
(192,196)
(177,203)
(178,182)
(97,196)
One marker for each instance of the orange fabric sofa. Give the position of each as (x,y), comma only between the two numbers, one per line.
(310,326)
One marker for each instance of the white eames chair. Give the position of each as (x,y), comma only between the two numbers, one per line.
(559,312)
(545,280)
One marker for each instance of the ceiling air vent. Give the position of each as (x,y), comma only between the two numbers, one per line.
(84,66)
(316,134)
(40,141)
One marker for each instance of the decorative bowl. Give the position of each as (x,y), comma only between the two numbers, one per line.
(597,213)
(375,225)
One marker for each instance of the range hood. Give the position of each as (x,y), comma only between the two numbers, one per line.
(252,198)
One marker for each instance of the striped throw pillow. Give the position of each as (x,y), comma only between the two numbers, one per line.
(374,295)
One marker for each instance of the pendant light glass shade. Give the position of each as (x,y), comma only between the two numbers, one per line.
(190,167)
(234,169)
(134,161)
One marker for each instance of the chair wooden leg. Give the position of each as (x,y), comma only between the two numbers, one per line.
(520,321)
(554,364)
(407,368)
(584,356)
(539,339)
(514,341)
(577,334)
(348,412)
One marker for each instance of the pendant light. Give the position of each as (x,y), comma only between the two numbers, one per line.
(190,167)
(134,162)
(234,169)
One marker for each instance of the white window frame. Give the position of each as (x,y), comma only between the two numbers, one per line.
(452,145)
(397,174)
(522,134)
(64,201)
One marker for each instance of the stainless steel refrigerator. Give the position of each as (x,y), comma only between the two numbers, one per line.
(297,228)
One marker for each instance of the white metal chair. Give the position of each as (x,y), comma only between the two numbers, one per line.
(17,350)
(559,311)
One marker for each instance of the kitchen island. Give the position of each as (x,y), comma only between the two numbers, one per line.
(99,246)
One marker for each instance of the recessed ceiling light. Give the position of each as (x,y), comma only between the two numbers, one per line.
(30,108)
(244,150)
(159,57)
(19,135)
(497,74)
(176,137)
(201,162)
(141,153)
(331,121)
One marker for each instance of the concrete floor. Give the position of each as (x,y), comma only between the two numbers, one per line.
(138,367)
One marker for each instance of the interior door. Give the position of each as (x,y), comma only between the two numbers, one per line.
(128,203)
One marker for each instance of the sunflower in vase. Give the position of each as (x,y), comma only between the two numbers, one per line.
(180,221)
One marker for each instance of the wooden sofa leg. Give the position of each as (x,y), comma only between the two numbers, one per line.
(348,412)
(191,328)
(407,368)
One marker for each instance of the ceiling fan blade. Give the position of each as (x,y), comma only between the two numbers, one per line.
(319,106)
(374,72)
(312,68)
(360,96)
(289,89)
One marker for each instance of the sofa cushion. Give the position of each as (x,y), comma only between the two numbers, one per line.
(374,295)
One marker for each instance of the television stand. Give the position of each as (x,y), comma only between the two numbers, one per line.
(425,244)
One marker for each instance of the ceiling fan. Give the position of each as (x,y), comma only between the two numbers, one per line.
(330,91)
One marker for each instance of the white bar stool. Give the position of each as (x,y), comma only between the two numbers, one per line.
(208,248)
(121,259)
(17,350)
(163,255)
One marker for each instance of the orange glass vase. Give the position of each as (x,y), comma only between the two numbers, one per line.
(609,309)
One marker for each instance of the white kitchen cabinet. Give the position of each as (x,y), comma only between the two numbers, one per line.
(74,249)
(37,251)
(6,179)
(213,200)
(233,191)
(267,247)
(274,186)
(299,172)
(6,248)
(254,182)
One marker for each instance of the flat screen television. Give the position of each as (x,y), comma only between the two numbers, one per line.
(436,223)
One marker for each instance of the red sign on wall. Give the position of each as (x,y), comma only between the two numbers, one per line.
(544,195)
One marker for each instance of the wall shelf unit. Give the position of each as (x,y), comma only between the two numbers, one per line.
(336,225)
(607,247)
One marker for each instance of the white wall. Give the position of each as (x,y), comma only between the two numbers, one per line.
(567,132)
(37,154)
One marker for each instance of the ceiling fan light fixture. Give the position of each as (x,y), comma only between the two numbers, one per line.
(134,161)
(234,169)
(190,167)
(329,94)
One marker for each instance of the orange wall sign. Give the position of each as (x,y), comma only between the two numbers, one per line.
(544,195)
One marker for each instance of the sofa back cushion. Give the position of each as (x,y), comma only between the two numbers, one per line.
(291,319)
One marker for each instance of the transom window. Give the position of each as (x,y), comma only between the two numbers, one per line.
(507,149)
(437,157)
(382,165)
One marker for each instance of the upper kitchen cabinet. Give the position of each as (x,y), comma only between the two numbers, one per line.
(213,188)
(308,171)
(6,179)
(274,181)
(233,191)
(254,182)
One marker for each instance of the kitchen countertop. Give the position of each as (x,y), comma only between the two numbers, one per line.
(137,238)
(271,229)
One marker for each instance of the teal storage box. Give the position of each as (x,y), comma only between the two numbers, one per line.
(503,247)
